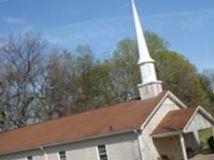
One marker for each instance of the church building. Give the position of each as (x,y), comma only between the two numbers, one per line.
(159,126)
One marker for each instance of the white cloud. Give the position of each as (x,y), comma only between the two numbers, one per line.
(13,20)
(185,20)
(184,13)
(27,28)
(52,39)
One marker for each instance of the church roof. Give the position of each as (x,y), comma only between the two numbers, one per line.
(174,121)
(114,119)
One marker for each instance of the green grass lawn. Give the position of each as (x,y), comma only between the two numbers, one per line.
(204,135)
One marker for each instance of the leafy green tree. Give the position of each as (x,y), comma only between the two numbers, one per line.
(69,86)
(85,64)
(56,92)
(208,74)
(181,77)
(125,72)
(155,43)
(103,88)
(207,81)
(176,72)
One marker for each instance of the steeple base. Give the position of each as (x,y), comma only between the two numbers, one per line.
(150,90)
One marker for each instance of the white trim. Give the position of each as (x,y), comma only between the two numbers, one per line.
(177,100)
(140,147)
(206,114)
(107,151)
(203,112)
(157,82)
(167,134)
(170,95)
(97,152)
(58,156)
(154,111)
(183,147)
(45,154)
(138,133)
(190,120)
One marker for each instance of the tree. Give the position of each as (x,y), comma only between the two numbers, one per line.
(85,64)
(155,43)
(60,91)
(181,77)
(69,87)
(170,66)
(207,81)
(124,71)
(209,75)
(103,88)
(21,70)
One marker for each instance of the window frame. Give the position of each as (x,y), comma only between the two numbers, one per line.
(59,155)
(29,157)
(99,154)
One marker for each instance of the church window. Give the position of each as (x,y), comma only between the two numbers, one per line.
(62,155)
(30,158)
(102,152)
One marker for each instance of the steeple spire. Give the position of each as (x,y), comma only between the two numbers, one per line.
(144,55)
(150,86)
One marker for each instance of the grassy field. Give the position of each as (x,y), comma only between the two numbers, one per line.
(204,136)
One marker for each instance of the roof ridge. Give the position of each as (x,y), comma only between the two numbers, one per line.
(77,114)
(67,116)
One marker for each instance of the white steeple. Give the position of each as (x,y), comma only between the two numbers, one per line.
(144,55)
(150,86)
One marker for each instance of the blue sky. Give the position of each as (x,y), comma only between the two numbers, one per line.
(188,25)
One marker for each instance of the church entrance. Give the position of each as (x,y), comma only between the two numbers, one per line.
(177,147)
(180,140)
(182,146)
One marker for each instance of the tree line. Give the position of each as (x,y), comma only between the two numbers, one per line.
(38,82)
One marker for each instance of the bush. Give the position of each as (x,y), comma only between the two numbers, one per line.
(211,143)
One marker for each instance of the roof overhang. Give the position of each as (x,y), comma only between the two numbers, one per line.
(185,129)
(167,134)
(202,112)
(45,146)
